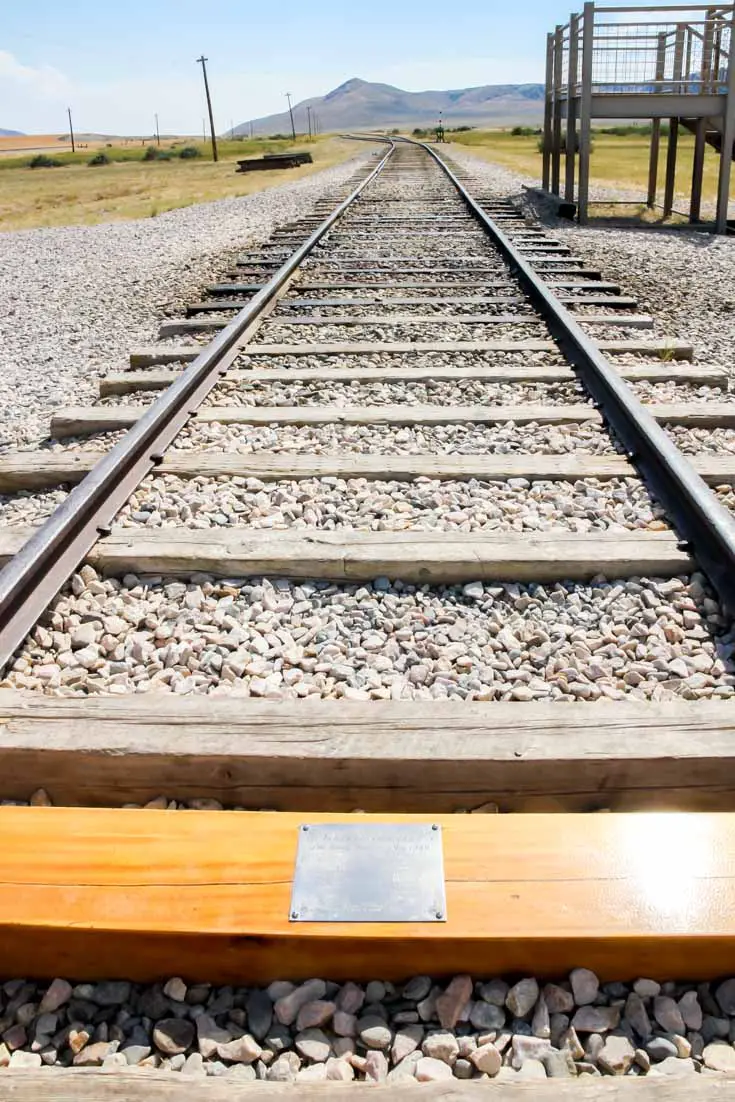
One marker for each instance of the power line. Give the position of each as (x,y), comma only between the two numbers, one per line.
(158,136)
(71,130)
(203,62)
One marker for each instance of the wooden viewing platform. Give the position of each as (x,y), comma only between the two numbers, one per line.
(657,62)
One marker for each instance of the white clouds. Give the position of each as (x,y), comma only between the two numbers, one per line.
(34,99)
(17,80)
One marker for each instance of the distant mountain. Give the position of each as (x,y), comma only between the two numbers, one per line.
(362,105)
(11,133)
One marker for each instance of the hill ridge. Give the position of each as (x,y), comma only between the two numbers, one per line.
(359,104)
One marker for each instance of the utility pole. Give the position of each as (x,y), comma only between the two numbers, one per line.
(251,130)
(71,131)
(158,136)
(232,130)
(308,115)
(290,111)
(203,62)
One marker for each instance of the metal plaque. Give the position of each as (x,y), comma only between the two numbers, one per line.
(369,872)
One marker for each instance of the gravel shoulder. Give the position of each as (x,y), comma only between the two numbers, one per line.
(77,298)
(683,278)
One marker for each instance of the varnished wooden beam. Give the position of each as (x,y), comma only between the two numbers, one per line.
(206,895)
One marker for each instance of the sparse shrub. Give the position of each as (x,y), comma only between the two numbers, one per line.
(189,152)
(152,153)
(419,132)
(523,131)
(99,159)
(42,160)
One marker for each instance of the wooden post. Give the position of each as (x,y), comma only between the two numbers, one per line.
(700,138)
(673,143)
(656,126)
(671,167)
(548,113)
(556,143)
(585,111)
(571,140)
(203,62)
(726,149)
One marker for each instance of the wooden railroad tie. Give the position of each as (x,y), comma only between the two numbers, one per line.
(131,381)
(28,470)
(82,421)
(667,350)
(354,555)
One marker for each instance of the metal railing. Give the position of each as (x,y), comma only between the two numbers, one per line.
(662,50)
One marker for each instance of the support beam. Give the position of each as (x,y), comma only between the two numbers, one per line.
(726,152)
(673,143)
(656,126)
(653,163)
(557,110)
(572,78)
(700,139)
(585,112)
(671,152)
(548,114)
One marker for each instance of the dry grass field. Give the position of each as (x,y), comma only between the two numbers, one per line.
(79,194)
(618,161)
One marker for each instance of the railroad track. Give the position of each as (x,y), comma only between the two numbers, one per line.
(415,461)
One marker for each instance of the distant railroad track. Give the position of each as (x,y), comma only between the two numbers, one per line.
(410,331)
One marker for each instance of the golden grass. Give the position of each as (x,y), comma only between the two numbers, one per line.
(617,161)
(77,194)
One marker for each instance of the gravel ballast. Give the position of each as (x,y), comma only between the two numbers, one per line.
(684,278)
(645,638)
(76,299)
(422,1029)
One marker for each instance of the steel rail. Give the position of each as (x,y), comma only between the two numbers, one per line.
(706,527)
(36,574)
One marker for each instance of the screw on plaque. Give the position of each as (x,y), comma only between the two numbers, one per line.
(439,914)
(294,914)
(304,828)
(434,826)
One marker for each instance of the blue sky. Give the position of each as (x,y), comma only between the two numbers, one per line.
(117,63)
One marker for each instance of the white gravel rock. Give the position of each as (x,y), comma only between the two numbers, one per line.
(76,299)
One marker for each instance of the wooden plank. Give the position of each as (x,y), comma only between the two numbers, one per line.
(83,420)
(577,270)
(130,381)
(614,301)
(671,350)
(40,470)
(375,300)
(624,321)
(96,1085)
(356,555)
(408,756)
(93,1084)
(206,895)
